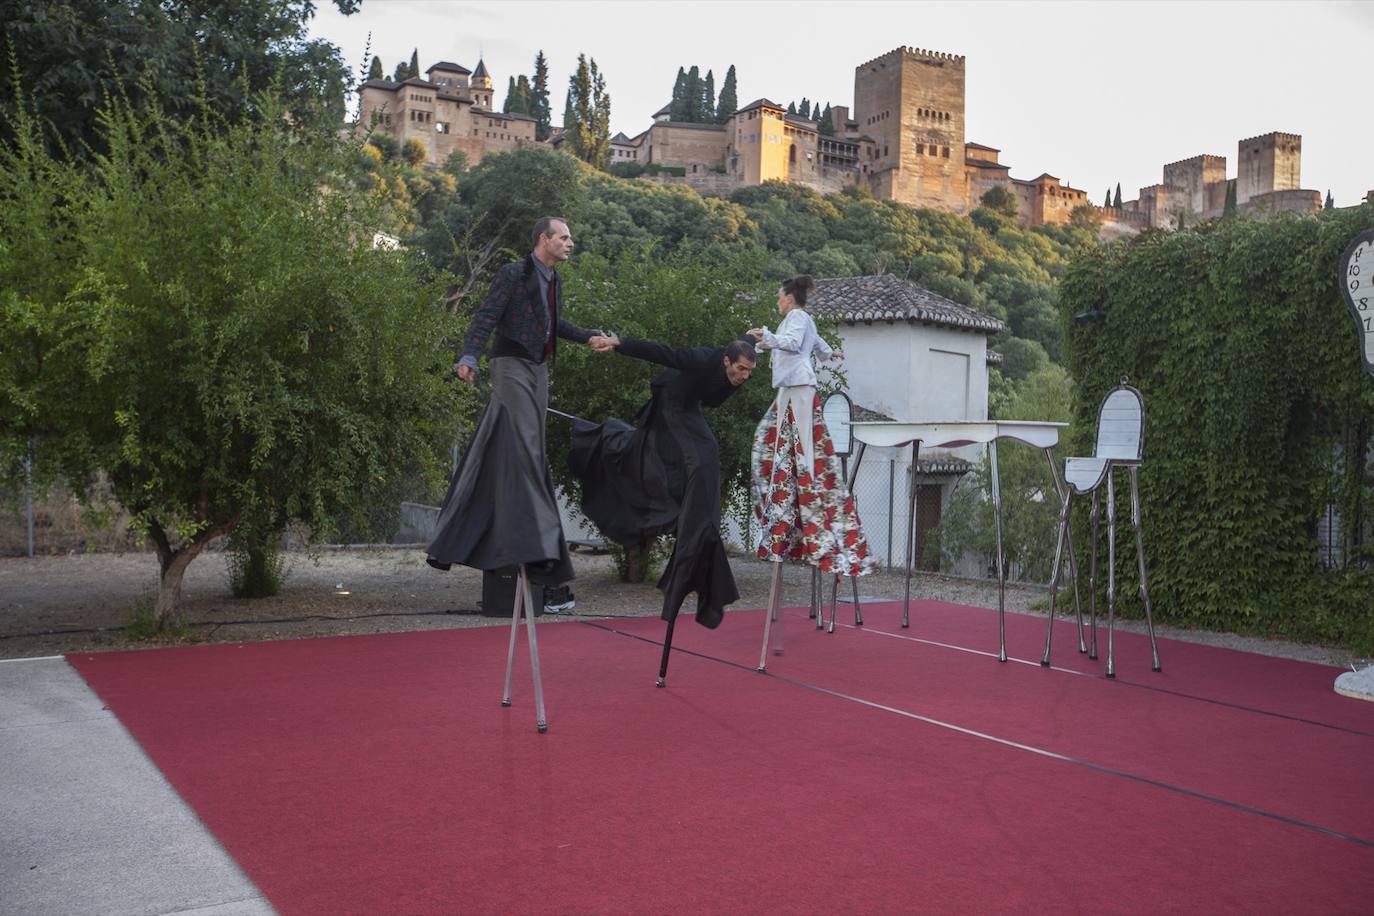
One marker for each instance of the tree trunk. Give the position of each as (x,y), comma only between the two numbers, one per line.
(173,563)
(637,562)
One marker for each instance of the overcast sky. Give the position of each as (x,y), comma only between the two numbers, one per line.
(1094,93)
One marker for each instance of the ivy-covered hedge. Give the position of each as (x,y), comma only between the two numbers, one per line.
(1259,414)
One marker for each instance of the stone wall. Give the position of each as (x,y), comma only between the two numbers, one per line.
(681,145)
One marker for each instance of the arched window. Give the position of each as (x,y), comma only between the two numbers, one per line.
(792,154)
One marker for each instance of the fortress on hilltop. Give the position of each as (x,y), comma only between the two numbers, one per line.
(904,140)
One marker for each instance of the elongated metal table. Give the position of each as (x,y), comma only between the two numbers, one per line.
(1039,434)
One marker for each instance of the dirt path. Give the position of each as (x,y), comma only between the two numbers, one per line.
(78,603)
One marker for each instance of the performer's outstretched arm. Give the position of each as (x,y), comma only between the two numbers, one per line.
(672,357)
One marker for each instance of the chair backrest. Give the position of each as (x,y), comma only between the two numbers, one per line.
(1121,425)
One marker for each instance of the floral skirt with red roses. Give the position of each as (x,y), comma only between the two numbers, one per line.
(801,504)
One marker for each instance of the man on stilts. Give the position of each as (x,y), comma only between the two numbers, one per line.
(662,475)
(500,510)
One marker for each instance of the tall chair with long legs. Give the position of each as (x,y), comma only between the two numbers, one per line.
(1120,443)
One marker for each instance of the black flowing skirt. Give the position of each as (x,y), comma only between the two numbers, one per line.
(641,482)
(500,510)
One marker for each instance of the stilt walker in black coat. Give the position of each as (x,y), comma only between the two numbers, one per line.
(662,475)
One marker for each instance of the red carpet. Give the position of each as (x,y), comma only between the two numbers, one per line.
(381,775)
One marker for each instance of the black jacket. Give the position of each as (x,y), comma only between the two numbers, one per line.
(519,316)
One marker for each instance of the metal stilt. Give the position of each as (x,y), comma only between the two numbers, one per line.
(667,648)
(525,602)
(773,597)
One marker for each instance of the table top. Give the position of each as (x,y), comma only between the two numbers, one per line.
(956,433)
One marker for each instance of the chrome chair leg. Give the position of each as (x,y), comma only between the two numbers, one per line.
(1055,573)
(1094,518)
(1001,558)
(1140,560)
(1111,572)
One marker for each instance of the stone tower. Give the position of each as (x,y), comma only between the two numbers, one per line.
(481,86)
(911,102)
(1199,183)
(1271,162)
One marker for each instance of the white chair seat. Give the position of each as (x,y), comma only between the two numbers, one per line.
(1085,474)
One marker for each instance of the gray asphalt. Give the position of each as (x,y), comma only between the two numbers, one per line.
(87,823)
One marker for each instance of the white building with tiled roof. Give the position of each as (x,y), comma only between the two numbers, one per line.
(910,354)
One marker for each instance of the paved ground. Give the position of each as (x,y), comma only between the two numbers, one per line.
(89,824)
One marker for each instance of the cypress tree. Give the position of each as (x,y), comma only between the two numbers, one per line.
(374,72)
(677,108)
(1117,202)
(402,73)
(1330,201)
(539,99)
(728,104)
(827,126)
(589,106)
(510,96)
(414,64)
(804,109)
(692,100)
(708,98)
(1228,209)
(1107,201)
(524,96)
(791,108)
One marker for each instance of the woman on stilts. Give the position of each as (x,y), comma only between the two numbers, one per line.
(801,502)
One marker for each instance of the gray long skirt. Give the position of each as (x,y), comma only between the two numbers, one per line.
(501,510)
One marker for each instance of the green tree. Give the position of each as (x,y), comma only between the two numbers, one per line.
(539,99)
(1086,216)
(679,108)
(827,123)
(589,135)
(374,72)
(708,98)
(256,357)
(1117,201)
(510,95)
(791,108)
(1000,199)
(70,54)
(413,151)
(692,103)
(1229,208)
(1107,201)
(402,73)
(728,103)
(1330,201)
(413,71)
(804,109)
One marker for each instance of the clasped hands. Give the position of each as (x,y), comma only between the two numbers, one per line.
(603,343)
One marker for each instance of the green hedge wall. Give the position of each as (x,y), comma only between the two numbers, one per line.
(1236,334)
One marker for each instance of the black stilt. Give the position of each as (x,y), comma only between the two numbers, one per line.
(667,647)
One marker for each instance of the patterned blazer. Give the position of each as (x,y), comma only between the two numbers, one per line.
(518,314)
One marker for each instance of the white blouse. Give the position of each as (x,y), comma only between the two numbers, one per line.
(793,343)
